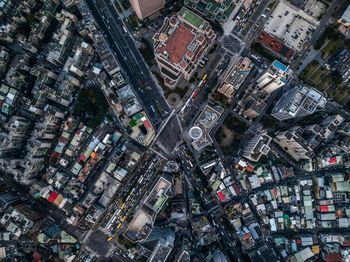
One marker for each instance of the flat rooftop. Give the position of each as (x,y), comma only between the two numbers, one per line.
(207,118)
(304,97)
(276,45)
(346,15)
(157,196)
(205,121)
(129,101)
(213,9)
(290,24)
(193,19)
(315,8)
(140,227)
(177,44)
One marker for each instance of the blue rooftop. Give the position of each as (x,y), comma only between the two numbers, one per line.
(280,66)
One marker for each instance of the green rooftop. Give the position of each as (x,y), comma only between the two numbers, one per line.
(159,203)
(211,9)
(192,18)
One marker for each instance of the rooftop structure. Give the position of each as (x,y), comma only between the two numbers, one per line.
(16,222)
(300,143)
(163,247)
(199,133)
(274,78)
(13,139)
(7,199)
(158,195)
(146,8)
(62,40)
(235,77)
(184,257)
(213,10)
(315,8)
(253,105)
(141,225)
(128,100)
(298,101)
(4,58)
(294,144)
(257,147)
(8,99)
(109,61)
(345,18)
(107,186)
(195,133)
(340,62)
(276,45)
(302,255)
(180,44)
(142,129)
(5,7)
(290,24)
(344,23)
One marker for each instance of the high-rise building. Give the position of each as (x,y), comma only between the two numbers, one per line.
(298,101)
(257,147)
(344,22)
(146,8)
(253,105)
(274,78)
(163,249)
(294,144)
(44,132)
(180,44)
(7,199)
(12,140)
(300,143)
(235,77)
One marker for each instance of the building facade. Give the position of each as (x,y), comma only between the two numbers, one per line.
(146,8)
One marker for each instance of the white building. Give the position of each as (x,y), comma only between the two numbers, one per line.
(274,78)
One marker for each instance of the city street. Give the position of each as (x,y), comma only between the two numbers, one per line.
(139,75)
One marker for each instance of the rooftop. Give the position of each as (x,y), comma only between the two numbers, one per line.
(276,45)
(157,196)
(213,9)
(140,227)
(193,19)
(346,15)
(290,24)
(177,44)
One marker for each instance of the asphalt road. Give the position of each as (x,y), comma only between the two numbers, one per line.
(210,206)
(130,60)
(146,169)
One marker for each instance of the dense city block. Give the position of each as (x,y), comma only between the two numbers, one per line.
(175,130)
